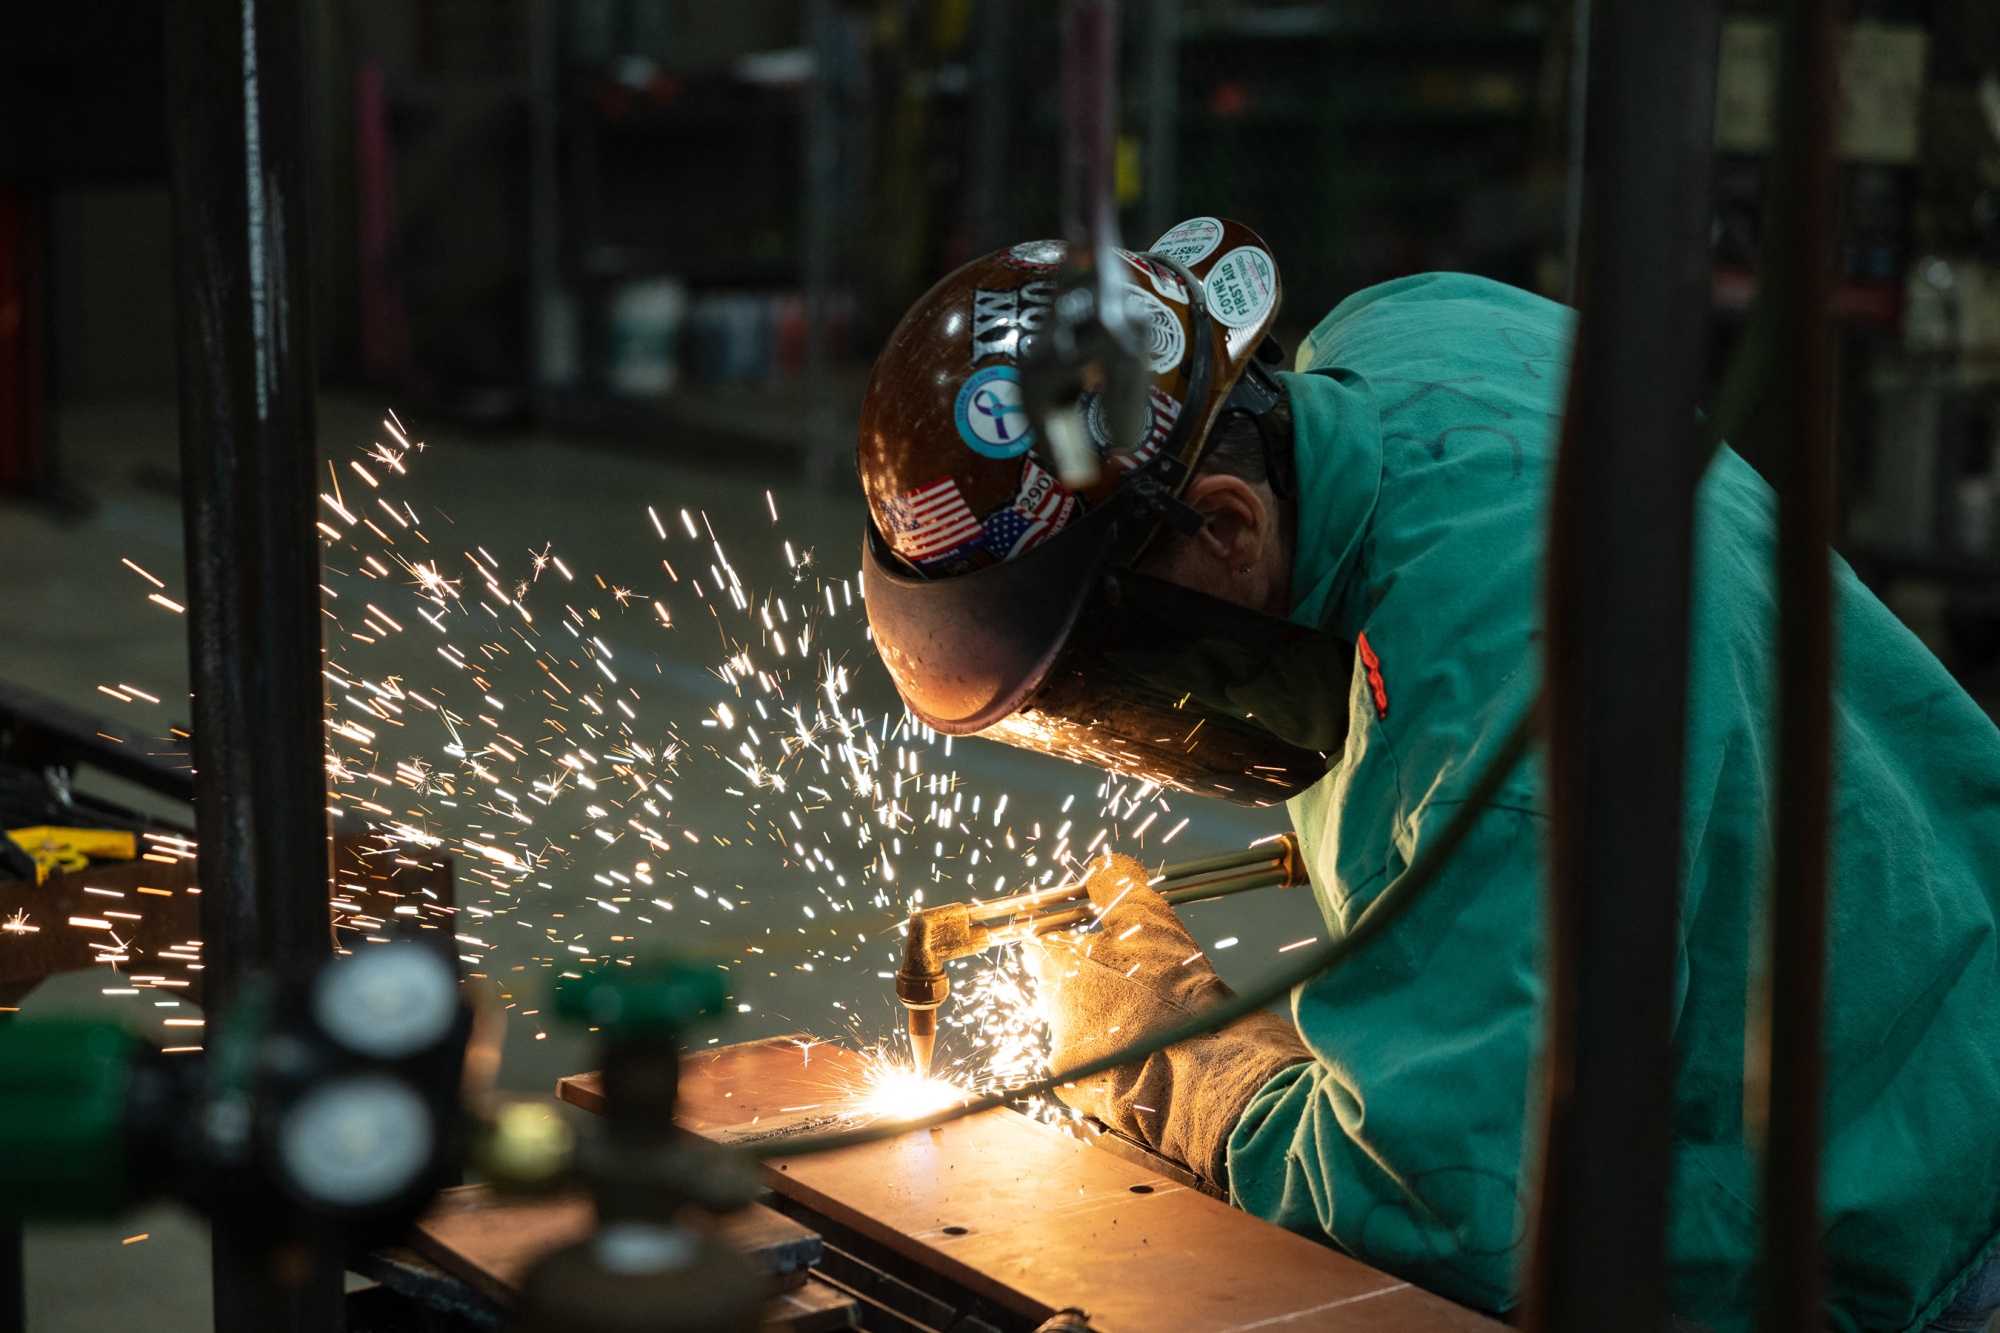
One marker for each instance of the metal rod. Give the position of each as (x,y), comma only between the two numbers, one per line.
(1579,103)
(1067,915)
(821,169)
(1090,116)
(1262,853)
(1163,72)
(990,182)
(1798,267)
(1275,857)
(13,1280)
(247,458)
(551,328)
(1620,559)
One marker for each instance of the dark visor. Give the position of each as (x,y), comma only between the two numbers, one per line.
(1059,652)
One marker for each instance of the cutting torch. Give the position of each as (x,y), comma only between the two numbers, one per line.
(936,935)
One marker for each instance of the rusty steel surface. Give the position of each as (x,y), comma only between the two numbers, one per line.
(145,915)
(1028,1217)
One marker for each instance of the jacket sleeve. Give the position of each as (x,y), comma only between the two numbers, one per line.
(1402,1141)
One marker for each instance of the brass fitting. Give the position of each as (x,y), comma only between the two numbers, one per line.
(932,938)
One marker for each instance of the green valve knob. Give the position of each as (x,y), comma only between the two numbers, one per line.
(653,997)
(62,1116)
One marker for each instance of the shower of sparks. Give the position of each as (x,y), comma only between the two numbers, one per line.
(896,1091)
(494,700)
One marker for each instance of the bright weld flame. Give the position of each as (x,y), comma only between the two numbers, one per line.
(894,1090)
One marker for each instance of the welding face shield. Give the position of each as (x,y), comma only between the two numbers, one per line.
(1004,601)
(1068,650)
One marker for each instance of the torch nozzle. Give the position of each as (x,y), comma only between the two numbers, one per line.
(923,1038)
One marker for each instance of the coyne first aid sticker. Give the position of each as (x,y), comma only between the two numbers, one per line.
(1192,241)
(992,415)
(1241,287)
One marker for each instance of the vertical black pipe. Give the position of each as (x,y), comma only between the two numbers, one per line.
(549,321)
(1162,45)
(1090,123)
(247,459)
(990,180)
(13,1280)
(820,184)
(1618,608)
(1798,273)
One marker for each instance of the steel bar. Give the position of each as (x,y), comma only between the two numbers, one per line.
(1619,561)
(1579,102)
(989,182)
(13,1281)
(26,460)
(1160,181)
(247,458)
(1270,862)
(550,324)
(821,188)
(1798,271)
(1090,113)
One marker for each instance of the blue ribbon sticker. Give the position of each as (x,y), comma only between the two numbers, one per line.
(992,416)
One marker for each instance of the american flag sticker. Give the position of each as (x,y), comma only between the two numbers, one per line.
(1163,410)
(931,521)
(1042,507)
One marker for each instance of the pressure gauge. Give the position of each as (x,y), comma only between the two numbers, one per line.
(357,1141)
(387,1000)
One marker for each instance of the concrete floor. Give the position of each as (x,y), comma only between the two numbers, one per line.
(73,617)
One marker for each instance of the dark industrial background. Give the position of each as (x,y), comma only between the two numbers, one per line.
(683,228)
(603,245)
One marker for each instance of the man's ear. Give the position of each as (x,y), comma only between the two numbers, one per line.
(1235,526)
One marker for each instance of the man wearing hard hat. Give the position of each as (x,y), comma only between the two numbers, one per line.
(1321,587)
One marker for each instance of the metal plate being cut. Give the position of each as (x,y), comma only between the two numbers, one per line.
(1034,1220)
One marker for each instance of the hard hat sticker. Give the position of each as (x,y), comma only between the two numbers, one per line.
(1241,287)
(1034,256)
(1042,507)
(1163,278)
(931,523)
(1004,320)
(1191,242)
(1166,341)
(992,416)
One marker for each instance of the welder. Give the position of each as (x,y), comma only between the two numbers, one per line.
(1320,586)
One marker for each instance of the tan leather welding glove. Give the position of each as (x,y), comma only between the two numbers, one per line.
(1139,972)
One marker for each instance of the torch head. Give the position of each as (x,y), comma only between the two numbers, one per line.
(932,938)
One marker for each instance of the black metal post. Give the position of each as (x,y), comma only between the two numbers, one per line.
(825,34)
(247,457)
(1160,182)
(1798,273)
(1090,123)
(989,179)
(1618,596)
(13,1280)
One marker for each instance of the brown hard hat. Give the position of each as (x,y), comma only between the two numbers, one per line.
(956,480)
(1007,604)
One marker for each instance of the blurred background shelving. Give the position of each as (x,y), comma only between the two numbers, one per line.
(683,227)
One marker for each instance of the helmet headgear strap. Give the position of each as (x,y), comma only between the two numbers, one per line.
(1156,484)
(1253,397)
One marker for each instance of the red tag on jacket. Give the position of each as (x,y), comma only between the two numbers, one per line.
(1373,665)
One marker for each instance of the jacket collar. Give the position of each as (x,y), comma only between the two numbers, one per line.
(1337,444)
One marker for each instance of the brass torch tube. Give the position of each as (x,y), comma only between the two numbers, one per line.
(1071,914)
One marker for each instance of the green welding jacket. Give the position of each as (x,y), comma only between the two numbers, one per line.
(1427,414)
